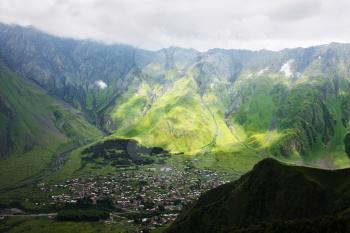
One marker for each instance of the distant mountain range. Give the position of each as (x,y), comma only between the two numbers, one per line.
(292,104)
(273,197)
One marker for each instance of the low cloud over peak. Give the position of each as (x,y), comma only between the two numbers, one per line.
(200,24)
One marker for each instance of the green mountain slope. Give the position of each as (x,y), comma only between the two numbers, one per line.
(34,129)
(271,197)
(302,118)
(178,120)
(292,104)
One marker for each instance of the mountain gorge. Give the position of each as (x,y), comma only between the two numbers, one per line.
(293,104)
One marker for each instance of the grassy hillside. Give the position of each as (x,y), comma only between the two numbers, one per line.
(177,120)
(43,225)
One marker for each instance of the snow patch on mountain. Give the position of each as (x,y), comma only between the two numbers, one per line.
(101,84)
(260,72)
(286,68)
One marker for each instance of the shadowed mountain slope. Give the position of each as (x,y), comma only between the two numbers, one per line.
(271,197)
(35,128)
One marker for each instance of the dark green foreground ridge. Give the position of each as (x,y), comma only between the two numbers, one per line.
(273,197)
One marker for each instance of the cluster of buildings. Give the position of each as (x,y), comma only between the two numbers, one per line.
(147,197)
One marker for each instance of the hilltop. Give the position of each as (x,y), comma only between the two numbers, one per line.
(273,197)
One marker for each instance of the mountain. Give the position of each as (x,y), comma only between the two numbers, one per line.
(73,109)
(35,129)
(72,70)
(273,197)
(292,104)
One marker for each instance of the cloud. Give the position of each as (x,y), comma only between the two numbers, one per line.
(200,24)
(296,10)
(101,84)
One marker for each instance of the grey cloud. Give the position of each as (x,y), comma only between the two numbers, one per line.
(296,10)
(201,24)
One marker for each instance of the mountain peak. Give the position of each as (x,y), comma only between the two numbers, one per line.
(268,163)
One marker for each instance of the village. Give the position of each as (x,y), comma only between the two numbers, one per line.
(149,197)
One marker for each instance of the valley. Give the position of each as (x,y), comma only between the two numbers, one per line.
(113,138)
(147,197)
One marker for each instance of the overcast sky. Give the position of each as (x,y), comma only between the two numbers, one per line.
(200,24)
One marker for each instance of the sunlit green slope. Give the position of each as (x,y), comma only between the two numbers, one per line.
(298,114)
(178,120)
